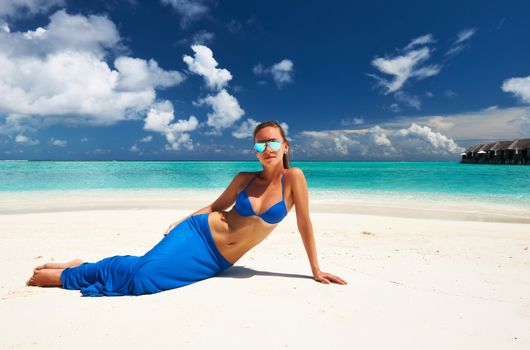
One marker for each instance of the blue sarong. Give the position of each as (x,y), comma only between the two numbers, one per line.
(186,255)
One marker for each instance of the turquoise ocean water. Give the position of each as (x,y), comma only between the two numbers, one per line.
(394,180)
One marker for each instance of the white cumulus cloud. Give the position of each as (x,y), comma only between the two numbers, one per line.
(94,34)
(138,74)
(245,129)
(435,142)
(226,110)
(160,119)
(413,142)
(202,37)
(403,68)
(58,142)
(190,10)
(281,72)
(21,8)
(205,65)
(285,128)
(484,125)
(177,141)
(329,143)
(75,86)
(520,87)
(58,74)
(379,136)
(26,140)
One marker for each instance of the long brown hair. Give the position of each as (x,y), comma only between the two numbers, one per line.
(286,156)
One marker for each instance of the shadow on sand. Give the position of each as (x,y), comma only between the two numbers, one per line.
(245,272)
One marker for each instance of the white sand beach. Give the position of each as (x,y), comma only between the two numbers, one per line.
(420,277)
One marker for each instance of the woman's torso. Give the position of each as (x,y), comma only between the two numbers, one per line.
(234,234)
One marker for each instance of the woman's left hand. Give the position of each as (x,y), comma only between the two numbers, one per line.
(327,278)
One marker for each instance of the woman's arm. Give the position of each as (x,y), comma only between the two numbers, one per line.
(225,200)
(301,203)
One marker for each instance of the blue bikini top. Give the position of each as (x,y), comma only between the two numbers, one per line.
(273,215)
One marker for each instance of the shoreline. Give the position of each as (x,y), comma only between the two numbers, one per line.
(191,200)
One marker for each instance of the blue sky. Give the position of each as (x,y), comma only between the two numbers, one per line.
(181,80)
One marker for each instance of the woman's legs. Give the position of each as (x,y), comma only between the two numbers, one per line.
(49,274)
(187,255)
(108,276)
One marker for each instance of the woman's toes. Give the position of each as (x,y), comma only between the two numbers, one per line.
(31,281)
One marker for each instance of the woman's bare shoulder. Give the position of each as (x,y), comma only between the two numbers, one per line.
(294,173)
(244,176)
(295,177)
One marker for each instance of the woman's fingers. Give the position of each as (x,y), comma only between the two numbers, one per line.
(336,279)
(168,230)
(327,278)
(339,280)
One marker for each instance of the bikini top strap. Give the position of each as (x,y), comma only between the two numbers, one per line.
(250,182)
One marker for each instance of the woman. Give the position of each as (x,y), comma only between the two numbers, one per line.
(209,240)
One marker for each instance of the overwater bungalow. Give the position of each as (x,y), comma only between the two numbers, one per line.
(500,152)
(521,151)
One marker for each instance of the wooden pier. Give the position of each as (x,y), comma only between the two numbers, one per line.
(516,152)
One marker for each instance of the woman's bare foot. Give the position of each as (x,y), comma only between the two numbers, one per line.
(54,265)
(46,278)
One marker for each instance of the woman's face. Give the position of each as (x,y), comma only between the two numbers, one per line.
(268,156)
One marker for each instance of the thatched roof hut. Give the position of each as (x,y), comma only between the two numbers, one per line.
(519,144)
(501,145)
(500,152)
(487,147)
(476,148)
(469,149)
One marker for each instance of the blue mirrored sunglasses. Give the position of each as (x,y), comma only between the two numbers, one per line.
(274,145)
